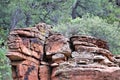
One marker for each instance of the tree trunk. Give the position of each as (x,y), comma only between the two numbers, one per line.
(118,2)
(74,7)
(28,18)
(14,19)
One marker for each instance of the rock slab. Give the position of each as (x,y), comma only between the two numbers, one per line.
(37,53)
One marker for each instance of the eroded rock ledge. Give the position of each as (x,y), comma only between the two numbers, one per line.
(37,53)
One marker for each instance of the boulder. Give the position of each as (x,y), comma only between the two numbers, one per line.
(24,70)
(98,73)
(37,53)
(89,39)
(57,43)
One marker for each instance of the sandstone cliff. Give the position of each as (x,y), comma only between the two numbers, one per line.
(37,53)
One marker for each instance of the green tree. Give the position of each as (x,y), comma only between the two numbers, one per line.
(26,13)
(93,26)
(66,15)
(5,69)
(4,14)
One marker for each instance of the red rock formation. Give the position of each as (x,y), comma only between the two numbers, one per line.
(26,51)
(57,48)
(97,73)
(38,54)
(44,72)
(24,70)
(89,39)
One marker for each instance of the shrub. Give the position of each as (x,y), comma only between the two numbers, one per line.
(5,72)
(93,26)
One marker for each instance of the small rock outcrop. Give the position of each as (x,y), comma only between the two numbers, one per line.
(36,53)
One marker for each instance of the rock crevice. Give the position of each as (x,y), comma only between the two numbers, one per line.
(36,53)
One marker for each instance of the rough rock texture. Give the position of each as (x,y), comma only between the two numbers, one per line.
(24,70)
(44,72)
(90,40)
(36,53)
(78,73)
(57,48)
(26,51)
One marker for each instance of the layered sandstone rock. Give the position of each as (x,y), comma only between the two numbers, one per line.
(90,40)
(44,72)
(90,61)
(57,48)
(87,73)
(38,54)
(26,51)
(24,70)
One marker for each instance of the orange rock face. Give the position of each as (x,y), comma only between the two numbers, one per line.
(89,39)
(57,43)
(26,51)
(38,54)
(24,70)
(88,74)
(44,72)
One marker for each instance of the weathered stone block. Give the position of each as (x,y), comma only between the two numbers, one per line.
(17,56)
(38,54)
(44,72)
(57,43)
(103,73)
(24,70)
(89,39)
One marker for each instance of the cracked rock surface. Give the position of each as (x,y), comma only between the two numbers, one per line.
(37,53)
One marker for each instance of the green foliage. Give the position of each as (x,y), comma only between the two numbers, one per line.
(113,15)
(5,72)
(35,11)
(3,33)
(96,7)
(93,26)
(102,8)
(24,13)
(4,14)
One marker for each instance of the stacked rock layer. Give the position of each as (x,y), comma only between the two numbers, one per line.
(36,53)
